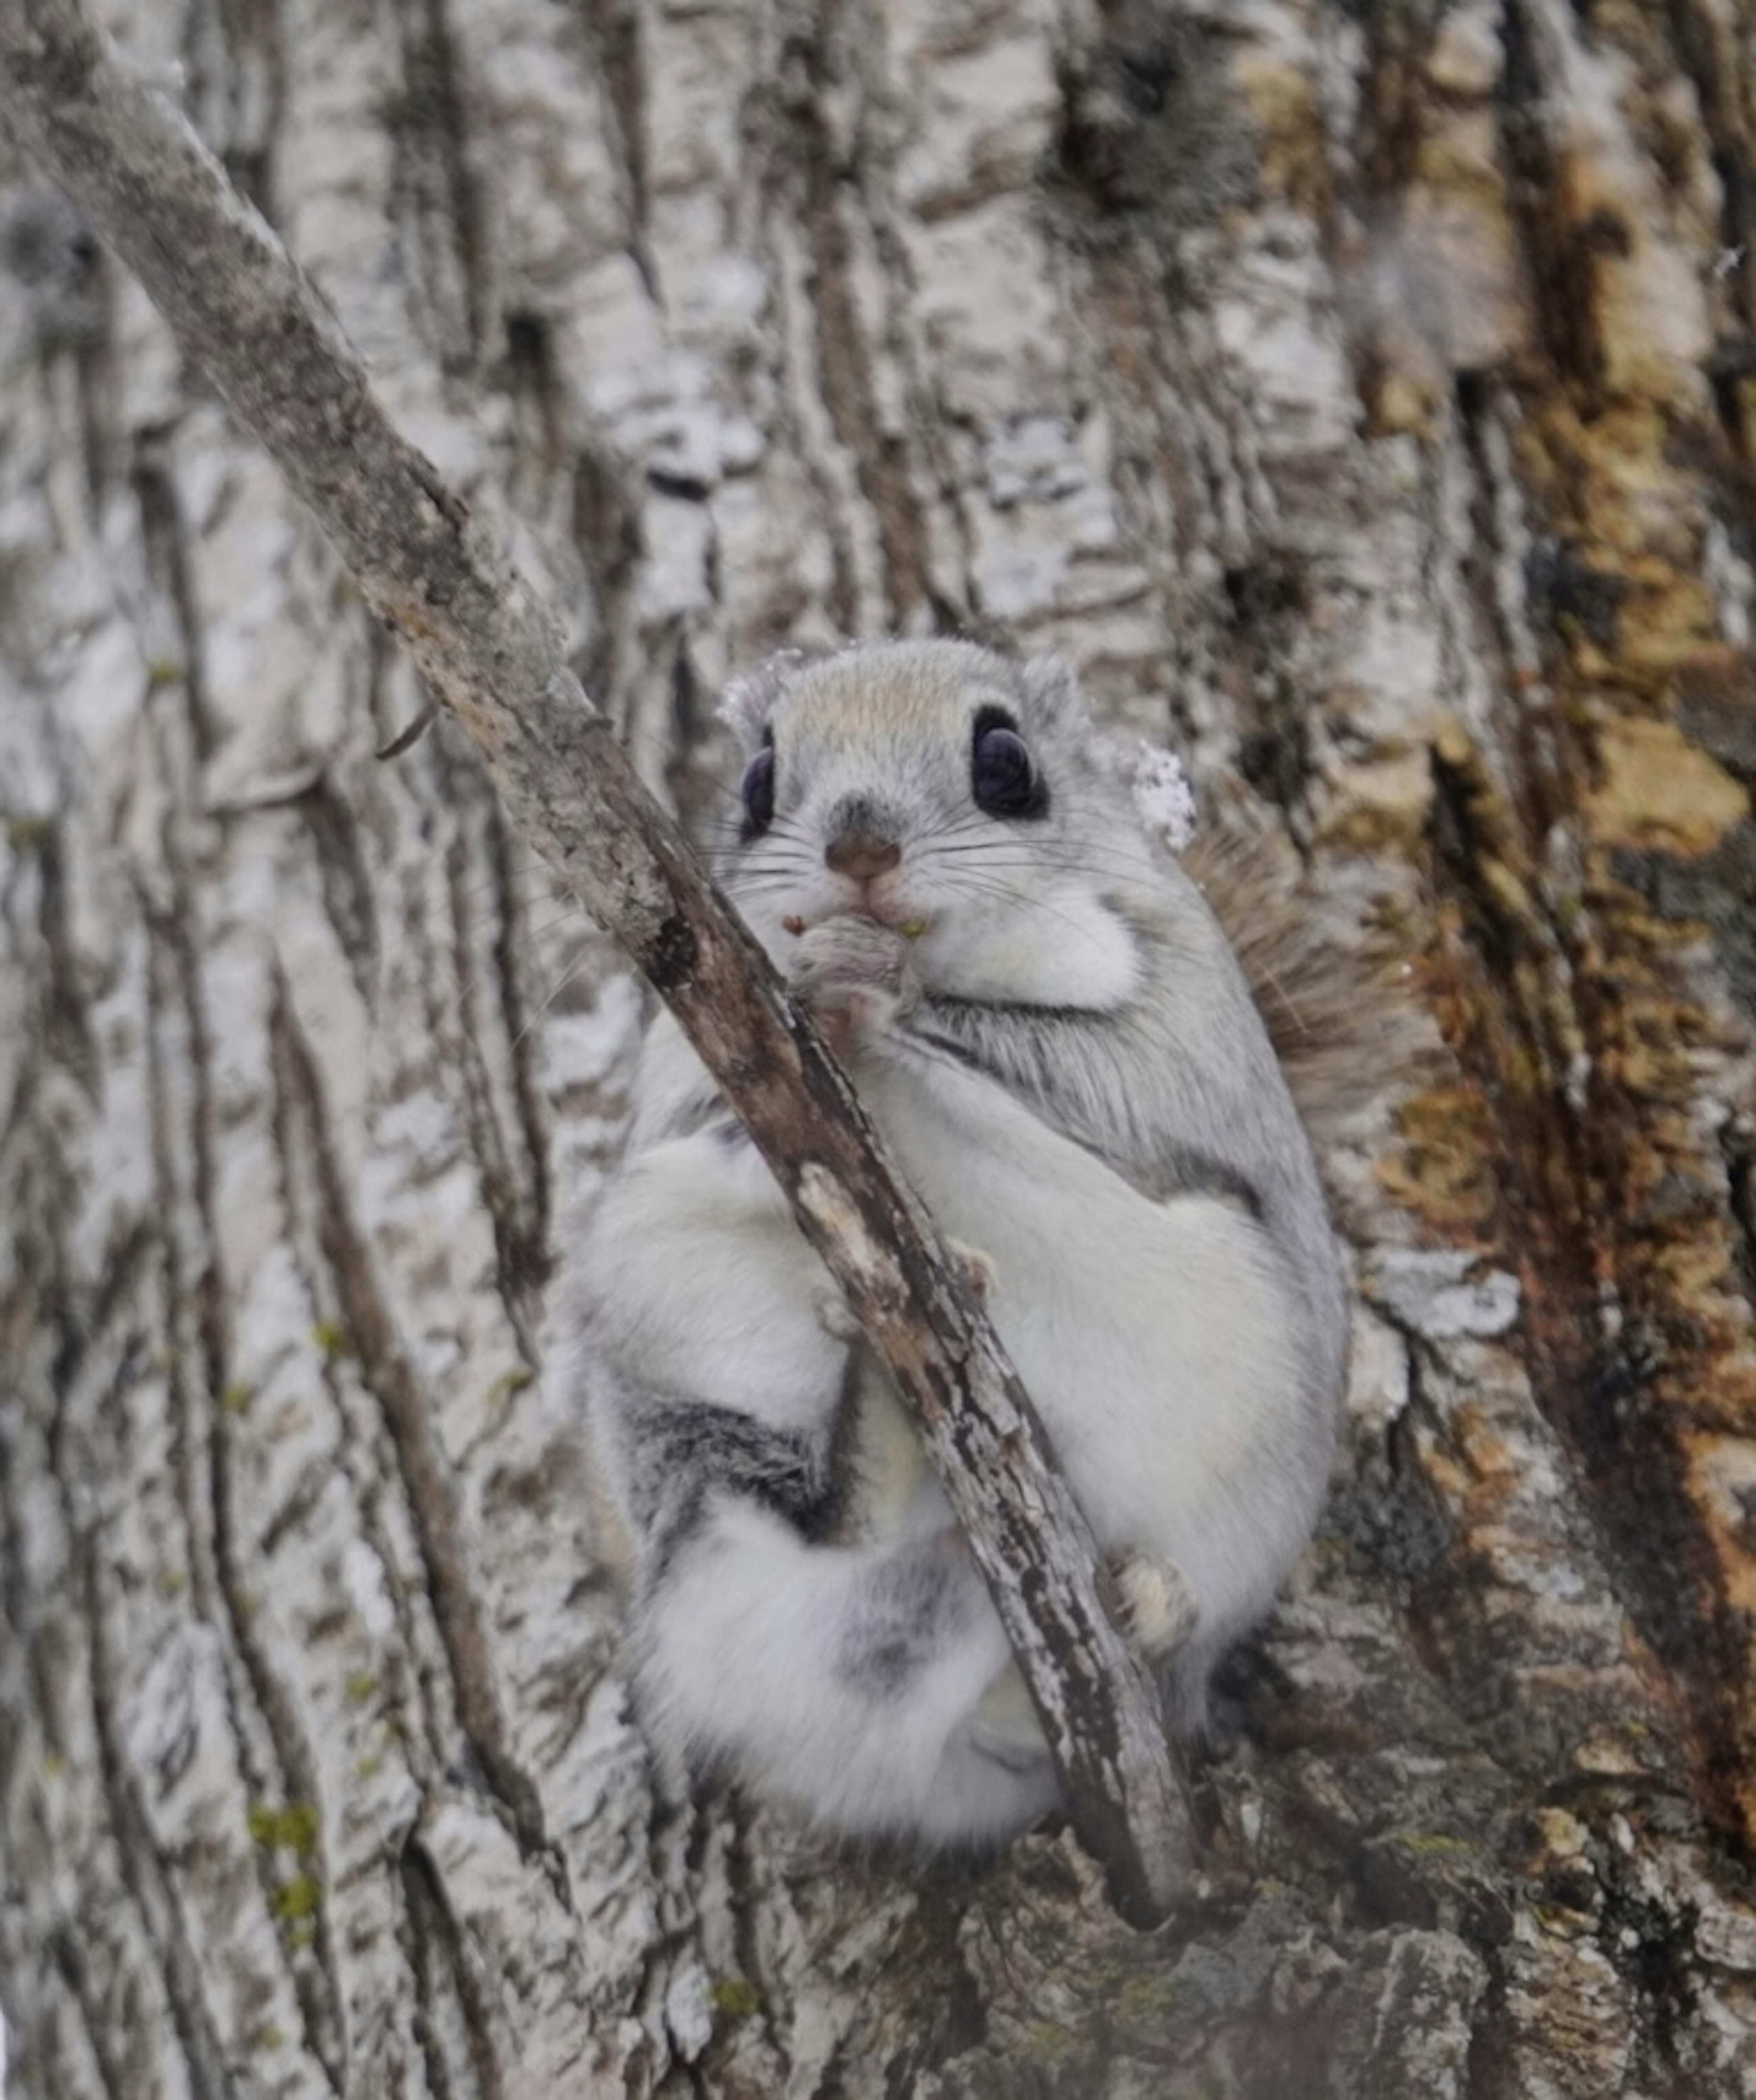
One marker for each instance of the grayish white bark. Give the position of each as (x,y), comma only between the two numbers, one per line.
(1360,398)
(243,316)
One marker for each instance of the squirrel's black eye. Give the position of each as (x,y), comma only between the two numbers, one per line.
(757,791)
(1003,775)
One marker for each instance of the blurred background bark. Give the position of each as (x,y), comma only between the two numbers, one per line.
(1361,397)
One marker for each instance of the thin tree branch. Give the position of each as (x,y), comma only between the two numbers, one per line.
(493,651)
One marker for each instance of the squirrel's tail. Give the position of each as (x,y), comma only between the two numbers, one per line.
(1326,975)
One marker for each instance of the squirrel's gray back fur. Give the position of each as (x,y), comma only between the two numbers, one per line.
(1043,1016)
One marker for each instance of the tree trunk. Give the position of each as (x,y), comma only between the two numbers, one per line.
(1361,401)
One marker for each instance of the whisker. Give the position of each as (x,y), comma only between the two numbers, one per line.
(1003,893)
(496,877)
(787,842)
(799,866)
(1003,857)
(536,930)
(1117,867)
(957,821)
(585,963)
(675,752)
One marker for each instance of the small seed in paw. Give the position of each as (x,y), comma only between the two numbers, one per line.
(911,929)
(792,925)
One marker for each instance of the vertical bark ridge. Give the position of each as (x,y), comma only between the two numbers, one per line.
(834,164)
(274,1754)
(522,1260)
(531,1255)
(235,53)
(111,2079)
(607,536)
(428,1489)
(343,861)
(439,183)
(165,541)
(437,1938)
(152,1891)
(618,34)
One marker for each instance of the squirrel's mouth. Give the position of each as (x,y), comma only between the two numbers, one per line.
(889,911)
(882,910)
(875,896)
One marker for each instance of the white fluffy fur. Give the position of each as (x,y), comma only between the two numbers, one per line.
(1179,1326)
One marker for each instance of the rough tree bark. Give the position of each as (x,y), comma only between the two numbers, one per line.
(495,654)
(1359,397)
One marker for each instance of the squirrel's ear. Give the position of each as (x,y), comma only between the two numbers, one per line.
(1051,695)
(746,704)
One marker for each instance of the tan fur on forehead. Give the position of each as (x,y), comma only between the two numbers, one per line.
(882,690)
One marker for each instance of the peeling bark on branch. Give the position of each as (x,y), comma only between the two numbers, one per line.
(493,652)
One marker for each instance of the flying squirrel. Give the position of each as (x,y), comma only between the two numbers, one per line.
(1056,1039)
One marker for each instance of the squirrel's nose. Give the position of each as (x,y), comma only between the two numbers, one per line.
(863,856)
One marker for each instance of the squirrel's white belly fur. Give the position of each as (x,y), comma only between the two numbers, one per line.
(1151,1335)
(1083,1097)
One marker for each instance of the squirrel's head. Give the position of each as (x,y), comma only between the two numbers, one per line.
(941,789)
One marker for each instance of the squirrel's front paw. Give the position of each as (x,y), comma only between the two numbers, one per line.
(853,974)
(1152,1601)
(975,1270)
(848,953)
(835,1317)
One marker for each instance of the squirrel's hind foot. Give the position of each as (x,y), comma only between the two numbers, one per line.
(1152,1601)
